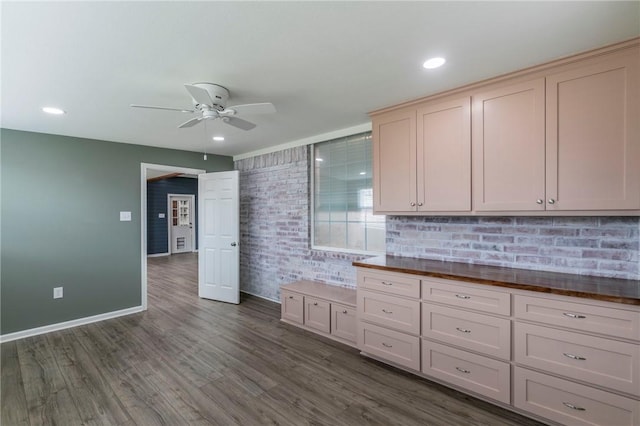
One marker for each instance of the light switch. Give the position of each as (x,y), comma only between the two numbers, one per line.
(125,216)
(161,215)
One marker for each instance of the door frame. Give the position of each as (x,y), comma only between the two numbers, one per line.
(194,225)
(143,218)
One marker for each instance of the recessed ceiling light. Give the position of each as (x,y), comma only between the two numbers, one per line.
(218,138)
(319,159)
(363,173)
(433,63)
(53,110)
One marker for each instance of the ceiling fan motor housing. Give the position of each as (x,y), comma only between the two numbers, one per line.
(218,94)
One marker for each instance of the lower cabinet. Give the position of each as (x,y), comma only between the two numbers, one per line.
(569,360)
(324,309)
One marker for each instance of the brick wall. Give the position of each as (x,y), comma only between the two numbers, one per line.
(599,246)
(275,239)
(274,227)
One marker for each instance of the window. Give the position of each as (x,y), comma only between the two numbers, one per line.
(342,197)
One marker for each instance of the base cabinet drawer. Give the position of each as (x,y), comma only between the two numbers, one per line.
(468,297)
(571,403)
(343,322)
(396,284)
(603,362)
(477,332)
(317,314)
(579,316)
(476,373)
(389,311)
(393,346)
(292,305)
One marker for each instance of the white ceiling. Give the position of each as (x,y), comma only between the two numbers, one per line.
(324,65)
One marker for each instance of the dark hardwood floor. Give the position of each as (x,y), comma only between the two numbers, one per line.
(192,361)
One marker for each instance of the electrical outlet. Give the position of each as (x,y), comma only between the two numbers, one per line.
(57,292)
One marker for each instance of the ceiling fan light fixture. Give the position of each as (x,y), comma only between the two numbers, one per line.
(53,110)
(434,63)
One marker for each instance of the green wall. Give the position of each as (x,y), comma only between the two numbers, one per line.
(60,203)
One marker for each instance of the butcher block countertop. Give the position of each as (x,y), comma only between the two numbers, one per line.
(589,287)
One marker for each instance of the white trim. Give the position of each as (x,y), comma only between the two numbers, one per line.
(193,221)
(68,324)
(307,141)
(261,297)
(143,219)
(159,254)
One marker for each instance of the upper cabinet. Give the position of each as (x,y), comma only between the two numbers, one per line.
(563,138)
(508,148)
(422,158)
(593,135)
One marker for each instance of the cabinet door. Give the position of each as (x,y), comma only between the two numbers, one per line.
(508,148)
(394,162)
(317,314)
(593,135)
(343,322)
(292,306)
(444,156)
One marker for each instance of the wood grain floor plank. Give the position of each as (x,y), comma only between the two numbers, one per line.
(14,403)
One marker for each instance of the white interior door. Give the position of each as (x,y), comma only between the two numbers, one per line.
(181,223)
(218,232)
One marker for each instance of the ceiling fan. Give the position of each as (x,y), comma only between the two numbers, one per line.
(210,103)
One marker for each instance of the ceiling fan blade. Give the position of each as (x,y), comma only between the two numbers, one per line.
(190,123)
(262,108)
(200,95)
(157,107)
(239,123)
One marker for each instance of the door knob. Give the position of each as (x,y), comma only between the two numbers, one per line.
(233,244)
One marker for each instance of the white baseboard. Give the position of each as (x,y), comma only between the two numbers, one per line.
(68,324)
(261,297)
(158,254)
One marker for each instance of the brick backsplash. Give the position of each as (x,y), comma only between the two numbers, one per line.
(275,244)
(599,246)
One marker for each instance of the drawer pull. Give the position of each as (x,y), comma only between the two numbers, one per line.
(574,407)
(386,345)
(387,312)
(570,315)
(344,311)
(290,297)
(463,296)
(576,357)
(462,370)
(315,303)
(386,283)
(463,330)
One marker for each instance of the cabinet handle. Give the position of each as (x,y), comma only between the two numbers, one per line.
(413,204)
(344,311)
(463,296)
(420,204)
(574,407)
(387,312)
(576,357)
(386,283)
(315,303)
(463,330)
(462,370)
(551,201)
(570,315)
(386,346)
(290,297)
(539,201)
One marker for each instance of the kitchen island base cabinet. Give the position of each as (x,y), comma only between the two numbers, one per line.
(321,308)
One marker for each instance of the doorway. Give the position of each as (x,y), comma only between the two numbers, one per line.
(181,226)
(147,170)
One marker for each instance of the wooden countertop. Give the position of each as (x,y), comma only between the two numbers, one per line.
(589,287)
